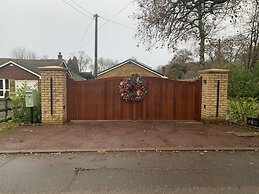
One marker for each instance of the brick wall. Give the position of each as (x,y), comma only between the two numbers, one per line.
(127,70)
(210,80)
(59,93)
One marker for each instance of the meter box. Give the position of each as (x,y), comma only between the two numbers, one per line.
(30,98)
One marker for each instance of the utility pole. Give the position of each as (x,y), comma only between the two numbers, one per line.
(96,45)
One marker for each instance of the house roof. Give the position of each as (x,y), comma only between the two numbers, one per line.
(76,76)
(142,65)
(31,66)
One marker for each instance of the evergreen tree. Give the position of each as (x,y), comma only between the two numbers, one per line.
(73,65)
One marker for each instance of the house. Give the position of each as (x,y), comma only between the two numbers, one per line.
(15,72)
(127,68)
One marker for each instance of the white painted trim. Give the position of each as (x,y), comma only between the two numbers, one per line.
(16,64)
(5,90)
(135,63)
(66,67)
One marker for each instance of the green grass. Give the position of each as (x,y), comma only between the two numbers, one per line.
(245,131)
(245,134)
(7,126)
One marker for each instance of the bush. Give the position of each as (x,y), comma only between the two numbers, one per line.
(243,82)
(241,108)
(19,112)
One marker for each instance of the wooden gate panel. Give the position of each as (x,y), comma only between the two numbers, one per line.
(168,103)
(166,100)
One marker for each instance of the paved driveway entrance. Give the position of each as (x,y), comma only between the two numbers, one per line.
(124,135)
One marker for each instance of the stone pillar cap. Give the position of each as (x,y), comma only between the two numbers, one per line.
(215,71)
(52,68)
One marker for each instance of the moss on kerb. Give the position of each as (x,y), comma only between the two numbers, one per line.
(52,68)
(215,71)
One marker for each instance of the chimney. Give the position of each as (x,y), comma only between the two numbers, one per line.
(59,56)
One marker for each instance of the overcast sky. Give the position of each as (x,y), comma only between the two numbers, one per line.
(50,26)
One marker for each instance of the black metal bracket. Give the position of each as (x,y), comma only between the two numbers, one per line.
(217,106)
(51,96)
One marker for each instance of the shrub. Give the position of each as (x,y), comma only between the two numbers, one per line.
(241,108)
(243,82)
(19,112)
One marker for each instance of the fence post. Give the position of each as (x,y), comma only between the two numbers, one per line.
(6,108)
(214,94)
(53,95)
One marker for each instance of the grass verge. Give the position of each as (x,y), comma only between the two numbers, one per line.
(245,132)
(7,126)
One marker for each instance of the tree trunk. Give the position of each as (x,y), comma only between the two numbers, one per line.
(202,44)
(219,57)
(250,48)
(255,46)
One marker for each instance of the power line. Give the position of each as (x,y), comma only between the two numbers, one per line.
(82,7)
(86,31)
(77,9)
(109,20)
(96,24)
(117,13)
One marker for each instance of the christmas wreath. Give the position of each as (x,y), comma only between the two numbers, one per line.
(132,89)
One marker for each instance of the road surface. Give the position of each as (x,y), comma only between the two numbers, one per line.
(131,172)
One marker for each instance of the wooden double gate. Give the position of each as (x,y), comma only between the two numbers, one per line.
(166,100)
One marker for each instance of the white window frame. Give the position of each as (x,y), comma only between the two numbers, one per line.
(4,88)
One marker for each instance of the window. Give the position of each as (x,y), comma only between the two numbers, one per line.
(1,88)
(4,88)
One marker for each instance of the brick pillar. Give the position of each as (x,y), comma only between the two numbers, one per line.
(53,101)
(214,94)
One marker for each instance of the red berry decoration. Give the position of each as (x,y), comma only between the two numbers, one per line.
(132,89)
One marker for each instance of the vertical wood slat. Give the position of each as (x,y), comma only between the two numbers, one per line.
(166,100)
(6,108)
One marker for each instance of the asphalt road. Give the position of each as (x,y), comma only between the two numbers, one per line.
(131,172)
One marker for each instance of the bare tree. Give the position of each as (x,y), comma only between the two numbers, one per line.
(104,64)
(182,56)
(23,53)
(160,69)
(244,46)
(45,57)
(84,61)
(229,49)
(253,33)
(167,22)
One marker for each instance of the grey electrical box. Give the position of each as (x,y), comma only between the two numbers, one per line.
(30,98)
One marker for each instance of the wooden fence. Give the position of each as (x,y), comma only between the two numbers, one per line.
(166,100)
(4,109)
